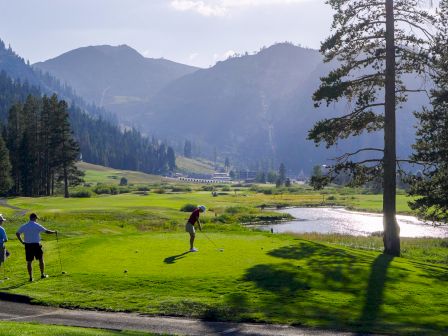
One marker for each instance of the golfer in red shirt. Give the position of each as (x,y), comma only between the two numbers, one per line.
(189,227)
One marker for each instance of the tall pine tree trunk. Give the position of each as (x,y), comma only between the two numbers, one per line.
(391,230)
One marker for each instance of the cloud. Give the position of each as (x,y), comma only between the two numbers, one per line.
(193,56)
(222,7)
(222,57)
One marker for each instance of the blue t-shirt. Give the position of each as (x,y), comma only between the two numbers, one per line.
(3,236)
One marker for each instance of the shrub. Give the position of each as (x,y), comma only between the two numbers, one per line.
(101,189)
(83,193)
(123,181)
(143,188)
(159,191)
(188,208)
(226,188)
(181,189)
(124,190)
(207,188)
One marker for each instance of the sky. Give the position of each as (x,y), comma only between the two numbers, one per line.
(194,32)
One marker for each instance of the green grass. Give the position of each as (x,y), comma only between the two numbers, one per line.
(32,329)
(259,277)
(127,253)
(99,174)
(194,166)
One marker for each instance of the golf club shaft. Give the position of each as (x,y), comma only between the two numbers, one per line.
(210,239)
(59,250)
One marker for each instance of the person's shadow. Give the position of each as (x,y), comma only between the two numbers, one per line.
(174,258)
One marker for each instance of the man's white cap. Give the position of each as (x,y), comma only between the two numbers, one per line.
(2,218)
(202,207)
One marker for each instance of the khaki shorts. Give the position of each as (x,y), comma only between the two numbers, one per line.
(190,228)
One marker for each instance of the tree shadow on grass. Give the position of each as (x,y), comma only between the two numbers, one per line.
(375,291)
(330,285)
(174,258)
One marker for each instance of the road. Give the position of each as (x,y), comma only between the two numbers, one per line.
(22,312)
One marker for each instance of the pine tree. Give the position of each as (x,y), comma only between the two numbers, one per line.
(5,169)
(375,44)
(171,157)
(188,149)
(431,148)
(13,142)
(281,174)
(66,148)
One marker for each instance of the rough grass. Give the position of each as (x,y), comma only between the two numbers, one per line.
(32,329)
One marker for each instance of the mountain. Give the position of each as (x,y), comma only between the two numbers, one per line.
(101,141)
(116,78)
(258,109)
(255,109)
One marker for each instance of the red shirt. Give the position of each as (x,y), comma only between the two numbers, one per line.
(194,216)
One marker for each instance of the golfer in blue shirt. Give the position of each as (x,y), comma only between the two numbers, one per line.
(3,240)
(33,248)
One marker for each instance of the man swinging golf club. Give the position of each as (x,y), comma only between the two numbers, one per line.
(189,227)
(3,240)
(33,248)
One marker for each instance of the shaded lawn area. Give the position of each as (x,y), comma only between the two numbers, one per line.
(32,329)
(259,277)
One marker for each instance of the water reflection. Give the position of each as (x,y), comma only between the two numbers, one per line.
(338,220)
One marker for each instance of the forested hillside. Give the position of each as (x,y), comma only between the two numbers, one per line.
(101,141)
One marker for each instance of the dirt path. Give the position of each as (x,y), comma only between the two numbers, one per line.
(21,312)
(20,211)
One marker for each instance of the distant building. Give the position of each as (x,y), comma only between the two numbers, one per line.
(224,177)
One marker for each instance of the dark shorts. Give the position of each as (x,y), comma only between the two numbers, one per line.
(33,251)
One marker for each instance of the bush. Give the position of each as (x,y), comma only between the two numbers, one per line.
(124,190)
(123,181)
(207,188)
(114,190)
(83,193)
(226,188)
(188,208)
(159,191)
(181,189)
(101,190)
(143,188)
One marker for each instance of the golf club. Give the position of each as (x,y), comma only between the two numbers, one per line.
(59,252)
(219,249)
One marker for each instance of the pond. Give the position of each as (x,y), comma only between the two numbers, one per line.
(339,220)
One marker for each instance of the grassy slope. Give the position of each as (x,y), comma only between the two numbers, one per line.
(32,329)
(194,166)
(100,174)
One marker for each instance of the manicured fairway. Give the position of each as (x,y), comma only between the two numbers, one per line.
(258,277)
(30,329)
(128,253)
